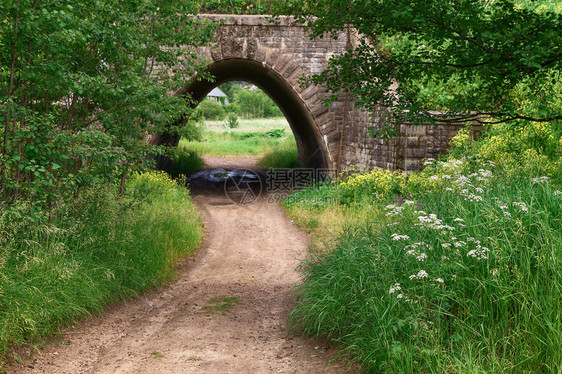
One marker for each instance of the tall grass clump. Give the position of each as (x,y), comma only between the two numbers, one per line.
(186,161)
(460,273)
(281,156)
(57,267)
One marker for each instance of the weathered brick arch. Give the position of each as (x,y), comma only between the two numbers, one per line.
(274,55)
(312,150)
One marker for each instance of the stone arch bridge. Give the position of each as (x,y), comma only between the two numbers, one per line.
(274,55)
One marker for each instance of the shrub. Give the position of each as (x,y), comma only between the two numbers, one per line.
(376,185)
(232,121)
(256,104)
(186,161)
(211,110)
(194,129)
(275,133)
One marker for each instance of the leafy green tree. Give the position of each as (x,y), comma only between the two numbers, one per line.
(210,110)
(237,6)
(230,89)
(467,60)
(256,104)
(82,84)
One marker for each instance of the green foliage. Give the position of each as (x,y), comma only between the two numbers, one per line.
(232,108)
(84,84)
(465,278)
(256,104)
(237,6)
(193,131)
(531,149)
(230,89)
(232,121)
(195,127)
(375,185)
(72,261)
(211,110)
(275,133)
(186,161)
(284,155)
(473,60)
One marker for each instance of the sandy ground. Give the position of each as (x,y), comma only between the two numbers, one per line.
(249,255)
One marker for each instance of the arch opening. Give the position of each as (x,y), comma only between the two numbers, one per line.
(311,150)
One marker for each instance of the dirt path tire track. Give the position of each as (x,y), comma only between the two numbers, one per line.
(250,253)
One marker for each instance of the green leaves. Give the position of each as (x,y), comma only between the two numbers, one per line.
(86,84)
(457,60)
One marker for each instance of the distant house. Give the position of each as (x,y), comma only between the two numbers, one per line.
(217,95)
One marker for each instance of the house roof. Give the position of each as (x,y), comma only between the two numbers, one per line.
(216,92)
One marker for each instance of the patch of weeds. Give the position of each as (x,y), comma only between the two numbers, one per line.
(221,175)
(17,358)
(220,304)
(194,358)
(312,223)
(156,355)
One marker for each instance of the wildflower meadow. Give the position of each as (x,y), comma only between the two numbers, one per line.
(458,271)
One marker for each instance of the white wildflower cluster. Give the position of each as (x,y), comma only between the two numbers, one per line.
(431,221)
(392,224)
(420,275)
(485,173)
(539,180)
(434,177)
(480,252)
(462,181)
(557,192)
(394,210)
(469,196)
(429,161)
(439,280)
(411,250)
(396,236)
(395,288)
(417,245)
(521,205)
(422,256)
(451,164)
(504,209)
(460,222)
(446,176)
(400,296)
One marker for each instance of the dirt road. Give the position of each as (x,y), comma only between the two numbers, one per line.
(226,312)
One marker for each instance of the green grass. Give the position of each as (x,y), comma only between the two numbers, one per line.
(283,155)
(186,161)
(492,298)
(220,304)
(91,252)
(220,140)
